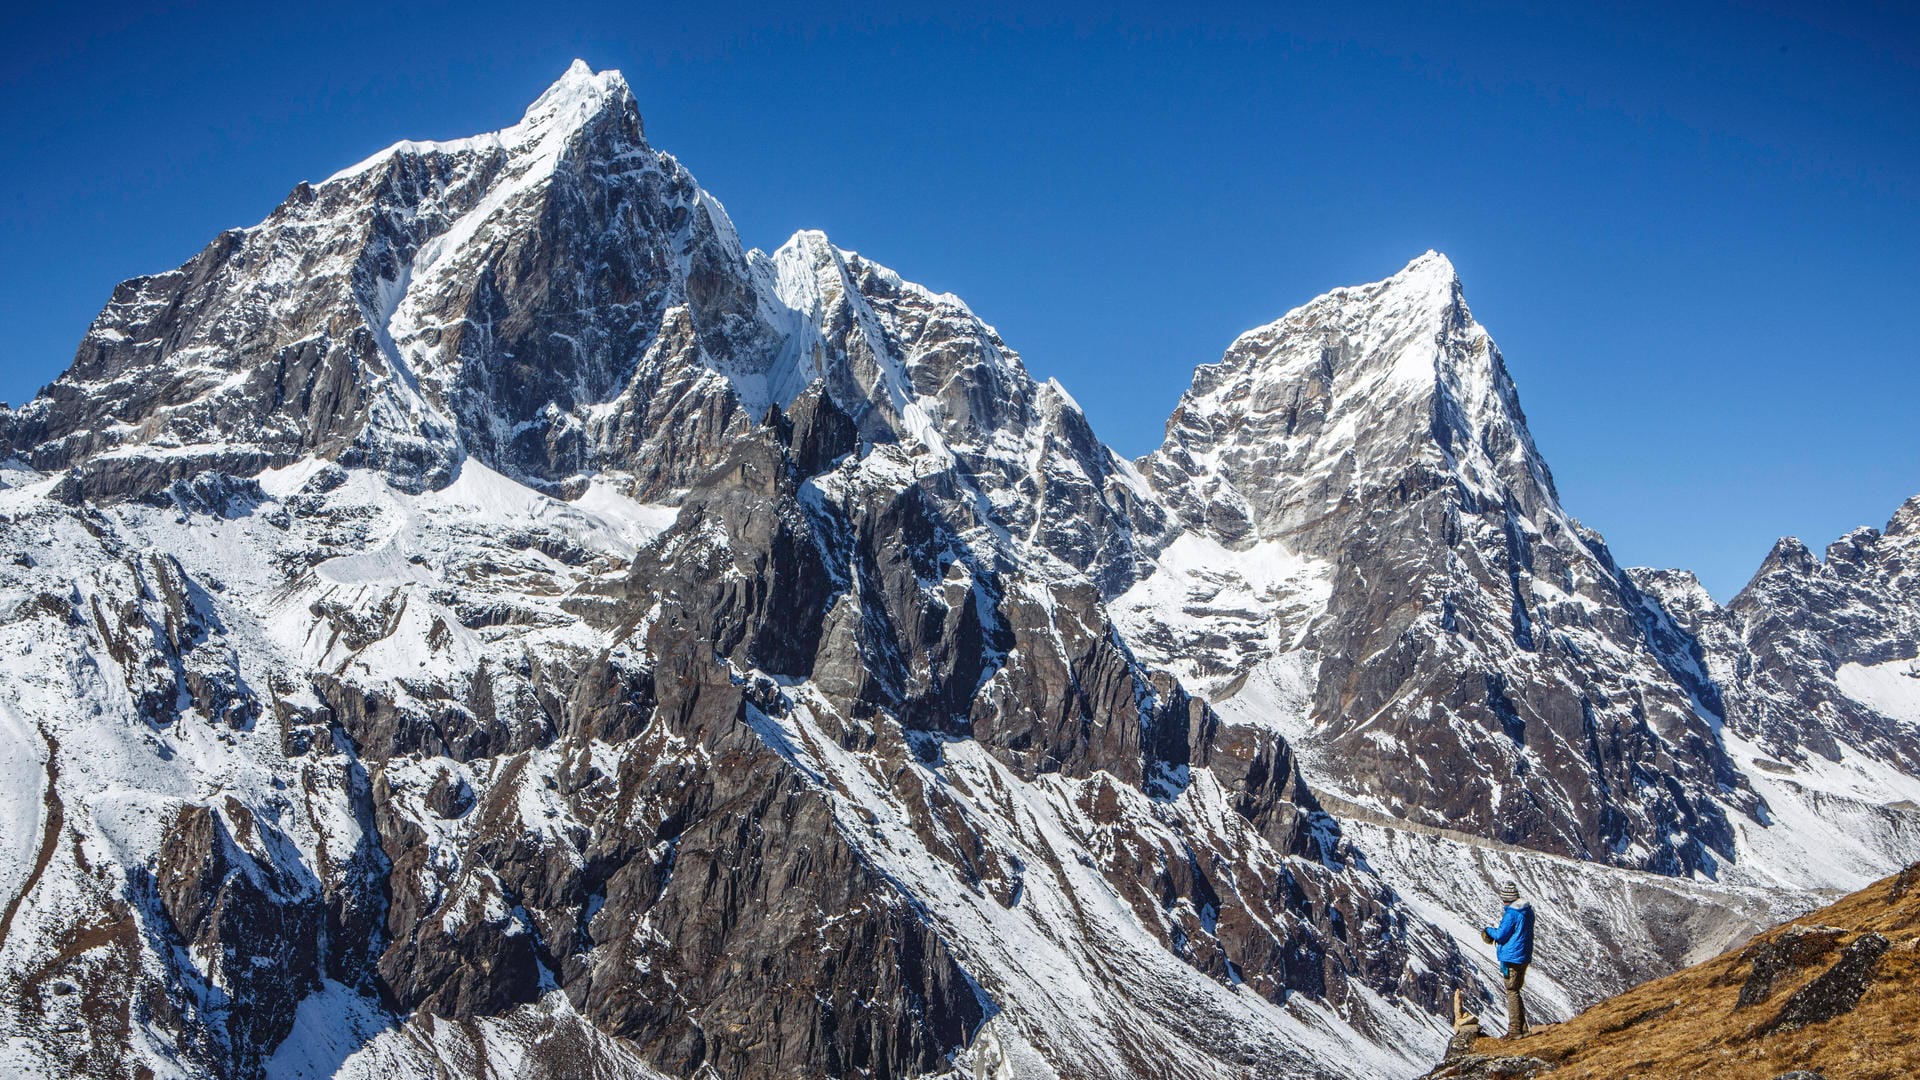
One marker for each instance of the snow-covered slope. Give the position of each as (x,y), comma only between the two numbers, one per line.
(484,621)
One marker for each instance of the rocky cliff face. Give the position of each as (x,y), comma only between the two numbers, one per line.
(483,621)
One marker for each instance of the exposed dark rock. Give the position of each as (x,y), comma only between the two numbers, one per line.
(1836,990)
(216,494)
(1488,1067)
(869,991)
(1903,883)
(249,924)
(1796,948)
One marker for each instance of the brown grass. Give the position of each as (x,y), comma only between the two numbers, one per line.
(1685,1026)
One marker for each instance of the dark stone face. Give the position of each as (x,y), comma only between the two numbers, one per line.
(225,898)
(1835,991)
(1799,947)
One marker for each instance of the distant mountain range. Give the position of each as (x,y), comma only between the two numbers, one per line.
(482,621)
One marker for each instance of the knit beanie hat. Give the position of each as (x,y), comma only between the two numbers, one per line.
(1510,891)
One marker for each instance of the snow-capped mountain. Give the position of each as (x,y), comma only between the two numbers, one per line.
(483,621)
(1477,659)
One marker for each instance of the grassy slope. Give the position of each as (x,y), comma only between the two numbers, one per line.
(1685,1026)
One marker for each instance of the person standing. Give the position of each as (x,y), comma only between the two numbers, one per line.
(1514,935)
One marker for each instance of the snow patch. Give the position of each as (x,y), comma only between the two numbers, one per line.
(1891,689)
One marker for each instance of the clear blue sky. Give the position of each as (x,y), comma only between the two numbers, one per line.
(1693,232)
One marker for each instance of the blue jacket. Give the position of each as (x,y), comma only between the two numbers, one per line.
(1514,935)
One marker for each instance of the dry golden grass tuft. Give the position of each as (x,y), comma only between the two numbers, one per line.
(1687,1026)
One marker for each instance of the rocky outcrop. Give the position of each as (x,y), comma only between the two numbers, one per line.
(1774,959)
(1488,1067)
(1836,991)
(249,926)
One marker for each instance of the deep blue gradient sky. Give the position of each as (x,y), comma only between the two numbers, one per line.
(1693,233)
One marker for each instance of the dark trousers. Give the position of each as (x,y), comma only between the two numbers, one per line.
(1516,976)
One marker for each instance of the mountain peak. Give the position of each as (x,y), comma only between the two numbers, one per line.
(578,95)
(569,104)
(1429,285)
(1410,300)
(1430,264)
(1431,281)
(1906,520)
(1331,395)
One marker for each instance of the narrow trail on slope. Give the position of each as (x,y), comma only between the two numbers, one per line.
(1341,808)
(56,816)
(1742,903)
